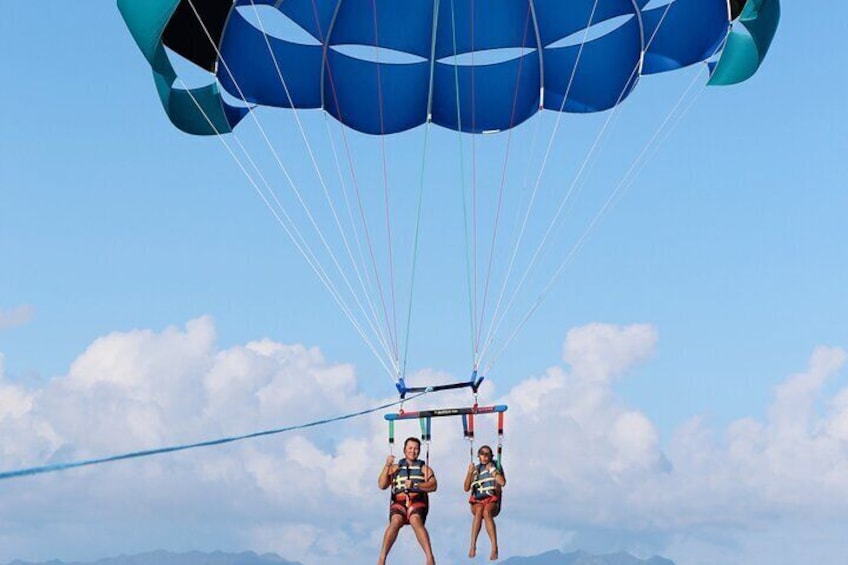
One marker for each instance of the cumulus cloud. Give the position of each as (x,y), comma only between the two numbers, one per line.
(793,462)
(585,469)
(599,465)
(15,401)
(17,316)
(581,447)
(142,389)
(604,351)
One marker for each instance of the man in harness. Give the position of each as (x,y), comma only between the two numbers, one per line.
(411,480)
(485,481)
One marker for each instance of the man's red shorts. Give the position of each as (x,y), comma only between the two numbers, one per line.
(400,507)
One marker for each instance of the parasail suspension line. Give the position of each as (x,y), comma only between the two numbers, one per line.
(418,213)
(291,230)
(541,170)
(390,251)
(624,182)
(363,219)
(277,158)
(468,264)
(342,232)
(502,186)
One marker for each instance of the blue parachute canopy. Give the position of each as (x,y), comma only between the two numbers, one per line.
(385,66)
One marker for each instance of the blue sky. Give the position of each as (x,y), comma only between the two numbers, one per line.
(708,303)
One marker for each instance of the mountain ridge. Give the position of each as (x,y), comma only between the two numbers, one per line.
(162,557)
(556,557)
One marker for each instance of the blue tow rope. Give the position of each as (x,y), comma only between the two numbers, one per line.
(147,452)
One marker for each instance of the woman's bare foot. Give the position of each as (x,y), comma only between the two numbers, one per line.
(494,555)
(472,552)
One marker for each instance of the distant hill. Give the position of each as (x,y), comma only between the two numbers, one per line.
(583,558)
(168,558)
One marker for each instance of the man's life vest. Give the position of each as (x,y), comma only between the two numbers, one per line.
(408,471)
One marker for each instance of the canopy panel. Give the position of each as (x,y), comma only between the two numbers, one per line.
(683,33)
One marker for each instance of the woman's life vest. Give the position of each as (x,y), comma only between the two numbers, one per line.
(484,485)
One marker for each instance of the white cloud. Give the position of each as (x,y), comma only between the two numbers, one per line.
(17,316)
(581,449)
(794,406)
(13,400)
(599,465)
(142,389)
(603,351)
(583,466)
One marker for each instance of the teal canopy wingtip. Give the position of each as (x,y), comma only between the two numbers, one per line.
(739,60)
(146,20)
(747,43)
(198,111)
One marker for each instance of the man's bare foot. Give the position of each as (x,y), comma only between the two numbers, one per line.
(472,552)
(494,555)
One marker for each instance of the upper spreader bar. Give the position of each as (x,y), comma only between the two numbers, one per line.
(473,384)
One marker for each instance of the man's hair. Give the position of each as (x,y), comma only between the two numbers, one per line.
(412,439)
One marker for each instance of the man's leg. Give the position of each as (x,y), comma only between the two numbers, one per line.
(395,524)
(417,524)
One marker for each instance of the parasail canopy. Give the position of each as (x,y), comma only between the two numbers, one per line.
(450,62)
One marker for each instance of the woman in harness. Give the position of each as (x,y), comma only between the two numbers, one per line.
(411,480)
(485,481)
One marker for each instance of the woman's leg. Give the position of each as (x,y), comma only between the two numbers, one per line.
(476,522)
(489,513)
